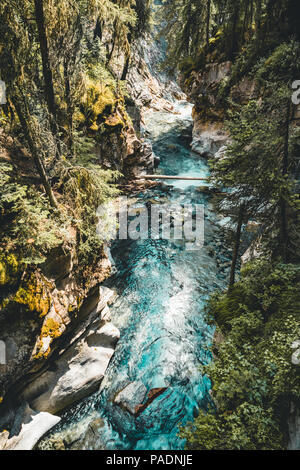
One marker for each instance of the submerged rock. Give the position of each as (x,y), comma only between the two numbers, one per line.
(134,397)
(152,395)
(131,396)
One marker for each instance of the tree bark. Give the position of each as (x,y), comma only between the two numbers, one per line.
(258,15)
(47,72)
(236,246)
(35,153)
(70,108)
(208,21)
(113,46)
(234,38)
(283,205)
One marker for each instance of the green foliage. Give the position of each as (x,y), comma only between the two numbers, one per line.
(87,100)
(184,28)
(228,307)
(85,188)
(253,377)
(28,227)
(143,11)
(262,156)
(218,30)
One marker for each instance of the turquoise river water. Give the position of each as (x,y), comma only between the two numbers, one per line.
(163,289)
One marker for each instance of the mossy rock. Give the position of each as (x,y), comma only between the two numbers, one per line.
(51,328)
(34,294)
(114,122)
(9,270)
(100,100)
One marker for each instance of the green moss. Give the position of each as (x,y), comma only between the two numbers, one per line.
(98,102)
(34,294)
(105,102)
(114,121)
(52,329)
(9,270)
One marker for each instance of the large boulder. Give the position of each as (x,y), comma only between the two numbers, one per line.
(208,138)
(34,426)
(77,370)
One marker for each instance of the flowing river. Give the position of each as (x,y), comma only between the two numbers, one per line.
(163,289)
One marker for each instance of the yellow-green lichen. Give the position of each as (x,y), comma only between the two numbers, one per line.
(34,294)
(51,328)
(9,269)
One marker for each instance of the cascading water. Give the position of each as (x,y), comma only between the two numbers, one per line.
(163,289)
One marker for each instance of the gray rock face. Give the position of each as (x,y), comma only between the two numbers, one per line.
(79,436)
(253,251)
(78,369)
(53,297)
(202,89)
(208,139)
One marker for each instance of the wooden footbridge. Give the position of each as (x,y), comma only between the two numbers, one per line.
(171,177)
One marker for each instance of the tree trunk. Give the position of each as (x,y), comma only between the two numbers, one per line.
(208,21)
(258,15)
(36,155)
(234,36)
(113,46)
(283,204)
(236,246)
(47,73)
(125,69)
(70,108)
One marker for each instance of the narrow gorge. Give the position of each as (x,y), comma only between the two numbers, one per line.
(149,341)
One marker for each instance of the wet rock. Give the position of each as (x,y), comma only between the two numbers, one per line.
(91,436)
(79,367)
(4,436)
(152,395)
(106,297)
(105,314)
(134,398)
(131,396)
(77,373)
(208,139)
(34,426)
